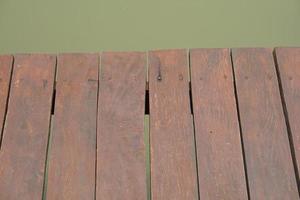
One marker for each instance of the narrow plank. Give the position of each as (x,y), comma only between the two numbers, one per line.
(5,75)
(173,160)
(288,63)
(23,153)
(219,151)
(147,145)
(121,170)
(72,162)
(267,151)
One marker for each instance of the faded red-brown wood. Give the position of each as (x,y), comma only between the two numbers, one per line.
(5,75)
(73,145)
(219,151)
(121,164)
(25,136)
(173,161)
(288,60)
(268,156)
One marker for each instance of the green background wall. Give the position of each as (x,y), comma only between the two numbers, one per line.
(94,25)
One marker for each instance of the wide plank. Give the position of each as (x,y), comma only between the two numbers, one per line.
(25,136)
(5,77)
(173,160)
(288,65)
(71,172)
(219,151)
(121,162)
(267,151)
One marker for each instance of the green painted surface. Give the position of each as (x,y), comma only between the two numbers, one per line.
(95,25)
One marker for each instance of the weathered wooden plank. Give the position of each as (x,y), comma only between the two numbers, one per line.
(219,151)
(72,158)
(121,170)
(267,151)
(173,160)
(23,152)
(5,75)
(288,63)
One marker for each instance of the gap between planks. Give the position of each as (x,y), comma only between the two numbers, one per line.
(193,120)
(7,101)
(240,127)
(287,121)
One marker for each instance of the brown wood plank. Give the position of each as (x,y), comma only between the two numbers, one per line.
(268,157)
(5,75)
(288,63)
(23,152)
(121,169)
(71,172)
(173,160)
(219,151)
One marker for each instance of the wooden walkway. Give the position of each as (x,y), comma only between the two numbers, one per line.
(223,124)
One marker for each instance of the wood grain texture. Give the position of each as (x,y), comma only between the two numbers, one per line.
(121,163)
(173,161)
(5,76)
(23,153)
(72,158)
(219,151)
(268,157)
(288,63)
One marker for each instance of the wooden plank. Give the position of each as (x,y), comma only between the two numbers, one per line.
(173,160)
(288,63)
(72,162)
(219,151)
(5,76)
(147,145)
(121,170)
(267,151)
(23,153)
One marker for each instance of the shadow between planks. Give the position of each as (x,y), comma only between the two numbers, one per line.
(236,63)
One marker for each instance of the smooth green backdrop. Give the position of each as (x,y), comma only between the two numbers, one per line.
(96,25)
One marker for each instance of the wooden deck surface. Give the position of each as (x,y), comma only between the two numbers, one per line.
(223,124)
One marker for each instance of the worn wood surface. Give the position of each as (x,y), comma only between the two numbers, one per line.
(220,158)
(221,126)
(173,160)
(25,136)
(5,77)
(121,164)
(72,153)
(267,151)
(288,63)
